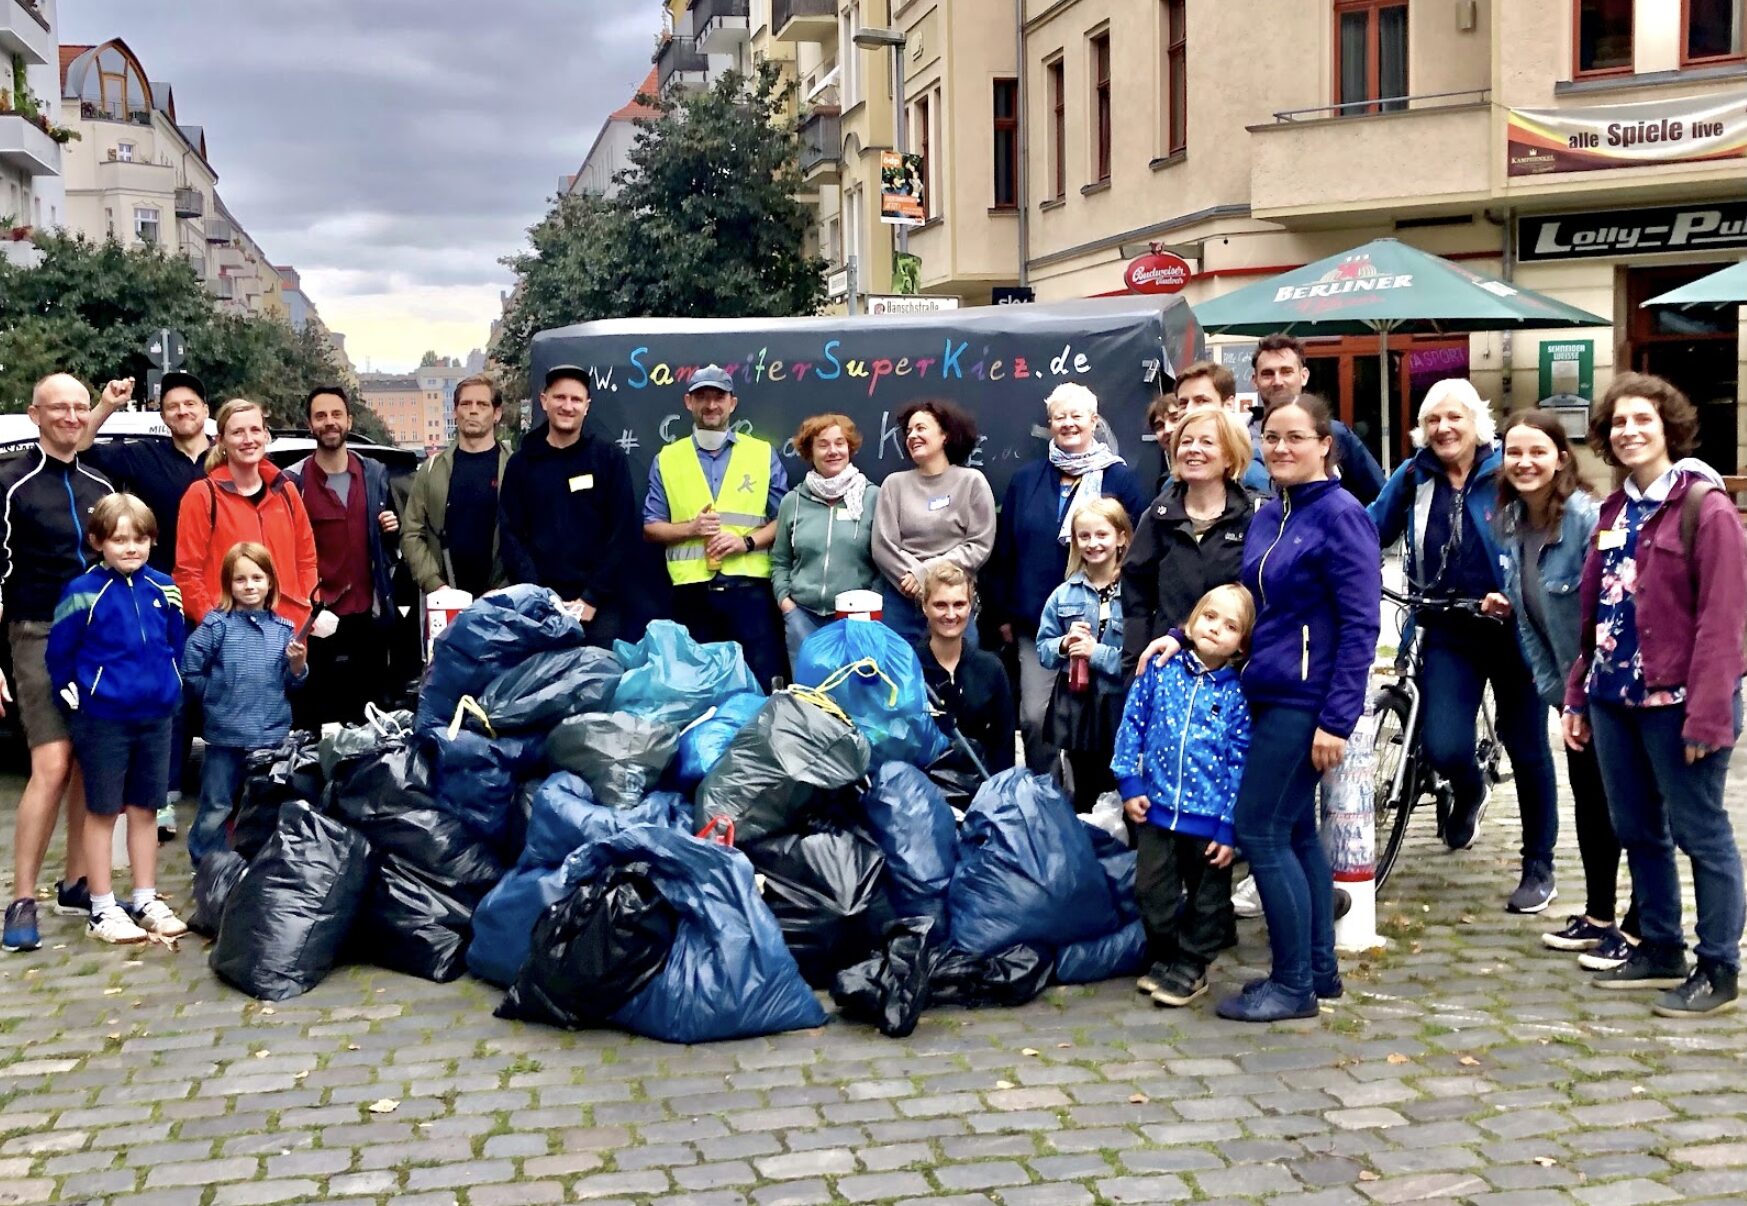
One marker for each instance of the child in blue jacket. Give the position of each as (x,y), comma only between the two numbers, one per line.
(111,655)
(241,661)
(1179,757)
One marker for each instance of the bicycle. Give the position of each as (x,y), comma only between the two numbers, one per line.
(1404,777)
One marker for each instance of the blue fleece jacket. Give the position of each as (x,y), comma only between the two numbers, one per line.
(1313,563)
(1185,731)
(115,640)
(236,661)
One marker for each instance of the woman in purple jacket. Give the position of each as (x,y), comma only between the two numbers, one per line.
(1659,687)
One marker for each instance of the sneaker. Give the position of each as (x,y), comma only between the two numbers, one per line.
(1644,968)
(21,934)
(167,824)
(1712,988)
(114,925)
(1331,989)
(1464,828)
(1181,985)
(1269,1003)
(1579,934)
(1536,891)
(1150,982)
(74,901)
(156,918)
(1611,952)
(1246,898)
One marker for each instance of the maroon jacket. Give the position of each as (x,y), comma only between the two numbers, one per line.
(1689,633)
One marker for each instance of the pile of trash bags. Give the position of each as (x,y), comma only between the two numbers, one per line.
(644,839)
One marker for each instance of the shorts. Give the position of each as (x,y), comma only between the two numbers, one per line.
(32,693)
(125,762)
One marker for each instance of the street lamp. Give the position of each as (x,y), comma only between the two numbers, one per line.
(872,38)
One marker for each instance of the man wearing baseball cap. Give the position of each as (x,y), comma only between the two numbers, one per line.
(712,501)
(567,512)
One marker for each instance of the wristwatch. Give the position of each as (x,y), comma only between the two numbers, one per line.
(751,545)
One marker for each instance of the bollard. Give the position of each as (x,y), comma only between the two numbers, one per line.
(1349,836)
(441,607)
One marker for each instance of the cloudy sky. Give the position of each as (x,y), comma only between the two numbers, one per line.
(392,150)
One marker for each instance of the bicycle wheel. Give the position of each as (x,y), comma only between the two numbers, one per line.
(1488,749)
(1395,786)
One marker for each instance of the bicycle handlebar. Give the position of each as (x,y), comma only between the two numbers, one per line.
(1446,603)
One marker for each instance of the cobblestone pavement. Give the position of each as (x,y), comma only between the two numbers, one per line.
(1467,1064)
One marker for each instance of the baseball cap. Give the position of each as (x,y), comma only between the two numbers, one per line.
(181,380)
(562,372)
(711,376)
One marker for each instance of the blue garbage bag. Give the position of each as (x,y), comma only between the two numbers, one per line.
(728,974)
(702,745)
(1026,871)
(565,817)
(500,630)
(476,777)
(876,677)
(1092,959)
(548,687)
(910,820)
(671,678)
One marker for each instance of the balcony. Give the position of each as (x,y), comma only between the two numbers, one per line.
(25,148)
(1353,163)
(218,230)
(804,20)
(196,260)
(190,203)
(821,145)
(25,32)
(136,176)
(680,60)
(114,111)
(222,287)
(721,25)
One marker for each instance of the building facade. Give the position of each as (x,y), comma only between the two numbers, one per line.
(399,402)
(31,190)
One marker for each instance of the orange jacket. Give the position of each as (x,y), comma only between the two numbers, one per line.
(215,517)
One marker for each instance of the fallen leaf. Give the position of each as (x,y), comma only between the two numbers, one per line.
(112,992)
(115,1038)
(1366,1174)
(1467,920)
(1545,1161)
(1395,1057)
(1137,1099)
(1637,1088)
(385,1106)
(1003,1084)
(268,1010)
(1029,1051)
(351,1046)
(262,1054)
(1063,1046)
(299,1075)
(59,946)
(1468,1061)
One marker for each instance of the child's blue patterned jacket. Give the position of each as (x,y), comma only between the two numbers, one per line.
(1185,731)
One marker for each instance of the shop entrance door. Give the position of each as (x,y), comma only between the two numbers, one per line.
(1695,347)
(1345,371)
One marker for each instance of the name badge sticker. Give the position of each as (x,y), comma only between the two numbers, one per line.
(1610,538)
(582,481)
(940,503)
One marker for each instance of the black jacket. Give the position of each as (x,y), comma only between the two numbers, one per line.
(45,506)
(160,475)
(978,699)
(568,518)
(1168,570)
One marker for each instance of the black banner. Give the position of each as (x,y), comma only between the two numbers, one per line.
(1702,226)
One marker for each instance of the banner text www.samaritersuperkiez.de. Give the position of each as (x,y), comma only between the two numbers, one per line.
(953,363)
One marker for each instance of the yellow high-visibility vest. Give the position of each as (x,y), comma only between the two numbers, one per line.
(741,505)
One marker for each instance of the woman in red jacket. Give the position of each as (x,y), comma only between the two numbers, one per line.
(243,497)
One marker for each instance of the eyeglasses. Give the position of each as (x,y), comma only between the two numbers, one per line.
(1295,439)
(63,409)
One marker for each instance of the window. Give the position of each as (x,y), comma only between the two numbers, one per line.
(849,24)
(1370,55)
(1604,37)
(1711,31)
(1101,101)
(1058,128)
(145,224)
(124,152)
(1006,144)
(925,147)
(1176,81)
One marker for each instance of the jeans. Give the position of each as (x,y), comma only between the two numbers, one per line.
(1275,819)
(736,609)
(1035,685)
(1455,677)
(1659,803)
(798,625)
(1597,844)
(221,777)
(1185,901)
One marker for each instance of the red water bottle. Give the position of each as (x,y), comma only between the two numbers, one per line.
(1079,674)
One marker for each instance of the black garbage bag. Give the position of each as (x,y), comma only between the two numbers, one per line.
(1008,977)
(792,750)
(956,778)
(889,990)
(618,755)
(271,778)
(827,890)
(289,914)
(594,950)
(548,687)
(214,878)
(350,742)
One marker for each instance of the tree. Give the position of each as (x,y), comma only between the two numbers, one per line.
(707,223)
(90,309)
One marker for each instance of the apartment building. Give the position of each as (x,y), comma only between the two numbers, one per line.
(31,192)
(399,401)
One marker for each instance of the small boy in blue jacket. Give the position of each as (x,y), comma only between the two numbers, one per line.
(1179,757)
(112,653)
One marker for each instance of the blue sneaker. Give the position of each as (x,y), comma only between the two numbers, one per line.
(1578,934)
(21,933)
(72,900)
(1330,989)
(1269,1003)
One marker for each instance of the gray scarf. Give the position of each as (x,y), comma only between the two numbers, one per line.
(1089,467)
(848,487)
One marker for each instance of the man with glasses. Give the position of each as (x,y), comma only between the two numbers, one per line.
(46,496)
(1281,375)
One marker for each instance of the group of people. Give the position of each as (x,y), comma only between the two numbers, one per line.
(1202,648)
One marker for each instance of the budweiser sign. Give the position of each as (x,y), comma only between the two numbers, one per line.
(1158,272)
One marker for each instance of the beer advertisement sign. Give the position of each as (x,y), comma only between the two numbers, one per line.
(1688,130)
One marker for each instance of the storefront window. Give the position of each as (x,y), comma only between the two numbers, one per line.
(1713,30)
(1604,37)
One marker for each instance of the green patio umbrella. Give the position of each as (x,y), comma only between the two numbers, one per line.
(1385,286)
(1718,289)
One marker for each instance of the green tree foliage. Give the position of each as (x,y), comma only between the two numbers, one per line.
(90,309)
(707,223)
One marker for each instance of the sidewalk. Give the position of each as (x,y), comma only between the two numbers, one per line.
(1467,1064)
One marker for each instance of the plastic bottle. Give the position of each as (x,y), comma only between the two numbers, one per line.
(1079,674)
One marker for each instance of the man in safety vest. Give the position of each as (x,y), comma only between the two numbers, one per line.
(712,503)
